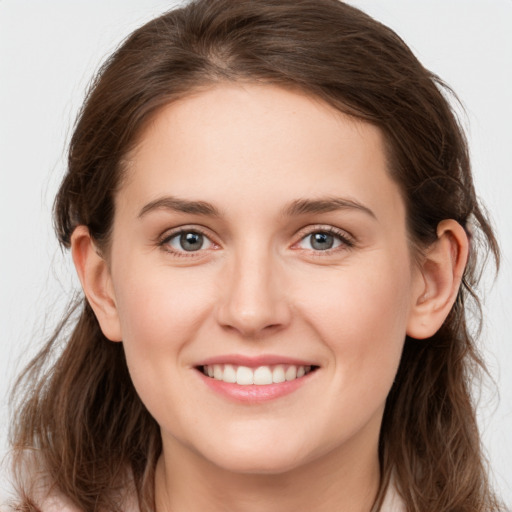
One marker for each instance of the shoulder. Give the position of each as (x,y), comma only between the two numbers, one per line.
(44,498)
(59,503)
(37,492)
(56,502)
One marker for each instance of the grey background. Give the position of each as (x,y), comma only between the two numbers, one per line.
(48,53)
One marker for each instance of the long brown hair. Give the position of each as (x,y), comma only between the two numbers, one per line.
(81,421)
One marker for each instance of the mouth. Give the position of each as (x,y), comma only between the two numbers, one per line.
(263,375)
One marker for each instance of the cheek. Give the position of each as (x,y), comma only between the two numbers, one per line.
(159,308)
(361,317)
(160,312)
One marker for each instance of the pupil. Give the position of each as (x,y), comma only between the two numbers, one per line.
(322,241)
(191,241)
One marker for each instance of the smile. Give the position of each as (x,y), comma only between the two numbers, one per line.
(260,376)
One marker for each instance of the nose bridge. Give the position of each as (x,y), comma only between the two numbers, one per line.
(253,299)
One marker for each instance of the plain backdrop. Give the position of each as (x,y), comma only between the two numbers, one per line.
(48,53)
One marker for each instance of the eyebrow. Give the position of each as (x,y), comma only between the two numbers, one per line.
(325,205)
(180,205)
(295,208)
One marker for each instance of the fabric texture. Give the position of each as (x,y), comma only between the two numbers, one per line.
(61,504)
(392,503)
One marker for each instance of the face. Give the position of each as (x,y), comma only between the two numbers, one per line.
(262,278)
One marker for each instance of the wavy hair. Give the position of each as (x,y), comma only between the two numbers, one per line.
(80,420)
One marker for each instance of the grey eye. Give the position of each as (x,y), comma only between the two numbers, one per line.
(321,241)
(189,241)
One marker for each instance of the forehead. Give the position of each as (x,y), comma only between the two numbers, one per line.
(257,143)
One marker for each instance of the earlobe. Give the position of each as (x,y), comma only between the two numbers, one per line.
(94,275)
(439,278)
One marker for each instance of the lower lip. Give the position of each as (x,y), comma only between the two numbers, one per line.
(252,393)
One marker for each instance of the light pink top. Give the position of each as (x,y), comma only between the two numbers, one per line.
(57,503)
(392,503)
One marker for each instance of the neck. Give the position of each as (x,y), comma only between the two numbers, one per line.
(345,479)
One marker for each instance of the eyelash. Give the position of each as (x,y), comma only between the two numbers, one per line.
(346,240)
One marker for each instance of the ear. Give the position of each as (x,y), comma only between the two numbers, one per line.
(94,274)
(440,275)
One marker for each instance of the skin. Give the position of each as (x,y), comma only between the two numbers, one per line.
(258,286)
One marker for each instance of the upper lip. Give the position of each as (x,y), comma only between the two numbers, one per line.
(255,361)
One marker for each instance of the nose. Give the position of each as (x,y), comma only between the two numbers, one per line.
(253,298)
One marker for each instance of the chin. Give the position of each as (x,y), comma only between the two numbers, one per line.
(264,457)
(259,464)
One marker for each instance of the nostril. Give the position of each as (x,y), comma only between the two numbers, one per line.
(252,306)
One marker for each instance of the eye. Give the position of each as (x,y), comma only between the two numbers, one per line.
(324,240)
(187,241)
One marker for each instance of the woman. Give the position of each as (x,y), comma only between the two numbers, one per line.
(271,211)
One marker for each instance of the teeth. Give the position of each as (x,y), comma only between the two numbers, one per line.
(244,376)
(217,372)
(291,373)
(278,374)
(261,376)
(229,374)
